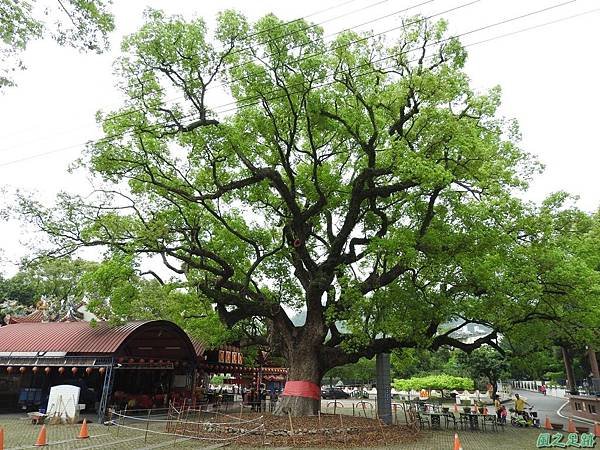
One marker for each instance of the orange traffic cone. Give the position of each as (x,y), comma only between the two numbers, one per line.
(1,439)
(83,432)
(547,424)
(596,430)
(571,426)
(457,445)
(41,439)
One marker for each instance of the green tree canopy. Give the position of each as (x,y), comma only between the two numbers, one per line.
(362,181)
(115,290)
(82,24)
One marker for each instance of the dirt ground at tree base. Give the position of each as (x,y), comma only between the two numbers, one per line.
(332,431)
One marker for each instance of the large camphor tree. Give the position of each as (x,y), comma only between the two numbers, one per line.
(360,181)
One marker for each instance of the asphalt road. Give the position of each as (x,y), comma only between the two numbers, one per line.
(545,405)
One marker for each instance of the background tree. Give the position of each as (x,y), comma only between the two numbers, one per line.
(19,289)
(361,372)
(53,285)
(82,24)
(486,362)
(363,182)
(409,362)
(562,278)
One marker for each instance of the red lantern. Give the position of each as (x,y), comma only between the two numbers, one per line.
(35,369)
(61,370)
(47,370)
(151,361)
(9,369)
(120,360)
(102,370)
(176,363)
(22,369)
(142,361)
(74,370)
(88,370)
(131,361)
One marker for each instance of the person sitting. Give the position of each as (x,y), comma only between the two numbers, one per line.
(520,405)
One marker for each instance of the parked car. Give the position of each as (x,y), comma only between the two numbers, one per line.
(334,393)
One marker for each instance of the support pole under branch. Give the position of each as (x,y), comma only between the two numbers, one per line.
(384,388)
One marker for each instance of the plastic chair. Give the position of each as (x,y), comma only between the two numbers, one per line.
(450,418)
(423,421)
(490,420)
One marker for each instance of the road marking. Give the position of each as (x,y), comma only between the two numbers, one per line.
(575,418)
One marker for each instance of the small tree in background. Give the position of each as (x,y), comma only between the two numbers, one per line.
(487,362)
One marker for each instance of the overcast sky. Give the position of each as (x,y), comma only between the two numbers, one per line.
(549,77)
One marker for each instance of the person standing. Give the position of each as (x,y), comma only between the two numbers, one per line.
(498,407)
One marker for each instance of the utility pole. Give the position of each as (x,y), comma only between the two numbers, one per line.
(384,388)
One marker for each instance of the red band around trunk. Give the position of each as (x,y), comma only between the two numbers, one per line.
(302,389)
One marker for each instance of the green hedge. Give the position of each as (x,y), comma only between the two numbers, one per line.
(439,382)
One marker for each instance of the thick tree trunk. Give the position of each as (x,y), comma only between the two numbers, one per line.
(567,358)
(302,393)
(593,363)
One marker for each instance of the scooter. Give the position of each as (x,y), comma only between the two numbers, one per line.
(528,418)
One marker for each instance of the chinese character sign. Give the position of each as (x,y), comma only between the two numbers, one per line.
(573,440)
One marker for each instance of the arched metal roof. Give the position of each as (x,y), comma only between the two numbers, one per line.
(85,338)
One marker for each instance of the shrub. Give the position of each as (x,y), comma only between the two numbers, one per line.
(441,382)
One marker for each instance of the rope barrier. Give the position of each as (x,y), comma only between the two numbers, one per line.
(142,419)
(237,436)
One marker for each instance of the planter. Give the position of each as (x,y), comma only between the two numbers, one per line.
(557,426)
(581,430)
(445,409)
(467,409)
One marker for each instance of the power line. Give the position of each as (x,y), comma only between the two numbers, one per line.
(502,22)
(258,33)
(305,57)
(441,41)
(113,137)
(533,27)
(222,84)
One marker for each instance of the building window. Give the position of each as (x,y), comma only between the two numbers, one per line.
(578,406)
(591,408)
